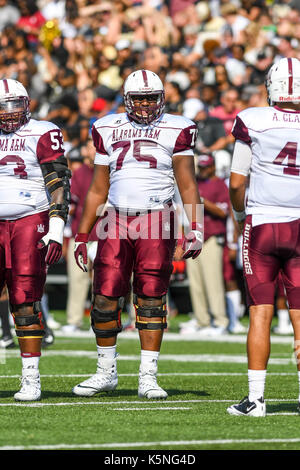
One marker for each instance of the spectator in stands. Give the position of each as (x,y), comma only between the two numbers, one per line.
(30,21)
(226,112)
(211,133)
(222,81)
(9,14)
(173,96)
(76,126)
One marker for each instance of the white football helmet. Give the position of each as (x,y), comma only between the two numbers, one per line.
(141,84)
(14,105)
(283,81)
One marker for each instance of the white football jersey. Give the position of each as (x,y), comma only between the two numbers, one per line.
(22,187)
(274,137)
(140,157)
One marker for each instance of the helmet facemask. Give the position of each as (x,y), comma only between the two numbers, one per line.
(136,107)
(14,113)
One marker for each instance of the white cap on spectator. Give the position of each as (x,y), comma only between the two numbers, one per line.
(122,44)
(191,107)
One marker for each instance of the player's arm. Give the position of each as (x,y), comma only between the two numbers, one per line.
(240,167)
(93,207)
(184,172)
(54,167)
(57,181)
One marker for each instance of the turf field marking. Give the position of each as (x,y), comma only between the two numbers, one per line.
(153,408)
(207,358)
(133,402)
(168,336)
(127,445)
(162,374)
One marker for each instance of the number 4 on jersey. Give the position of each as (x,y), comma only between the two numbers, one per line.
(289,151)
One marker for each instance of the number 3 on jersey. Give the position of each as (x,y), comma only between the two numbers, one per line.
(289,151)
(19,165)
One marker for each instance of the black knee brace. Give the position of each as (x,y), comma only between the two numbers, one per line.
(105,316)
(28,320)
(151,312)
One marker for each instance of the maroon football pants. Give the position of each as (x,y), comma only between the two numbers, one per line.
(269,249)
(22,265)
(140,245)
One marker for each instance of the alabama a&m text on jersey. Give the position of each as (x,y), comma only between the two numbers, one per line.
(140,157)
(22,187)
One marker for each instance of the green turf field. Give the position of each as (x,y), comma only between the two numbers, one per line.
(201,377)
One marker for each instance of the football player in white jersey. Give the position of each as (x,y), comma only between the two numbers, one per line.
(34,197)
(139,153)
(267,151)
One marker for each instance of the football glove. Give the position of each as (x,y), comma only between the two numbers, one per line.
(53,240)
(193,241)
(80,250)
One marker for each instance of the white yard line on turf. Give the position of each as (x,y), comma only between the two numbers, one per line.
(231,358)
(128,445)
(227,338)
(129,402)
(162,374)
(153,408)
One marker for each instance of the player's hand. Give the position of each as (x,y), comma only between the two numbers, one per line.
(53,240)
(80,250)
(193,242)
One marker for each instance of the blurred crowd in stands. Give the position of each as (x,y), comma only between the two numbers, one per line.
(213,56)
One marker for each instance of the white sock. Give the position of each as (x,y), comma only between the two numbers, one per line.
(256,381)
(233,303)
(283,317)
(106,354)
(149,359)
(30,363)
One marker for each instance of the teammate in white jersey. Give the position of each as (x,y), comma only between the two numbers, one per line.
(34,196)
(138,155)
(267,150)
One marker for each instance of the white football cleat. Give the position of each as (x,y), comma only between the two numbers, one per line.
(7,342)
(69,329)
(30,387)
(255,408)
(192,323)
(105,380)
(212,331)
(238,328)
(52,323)
(148,386)
(283,330)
